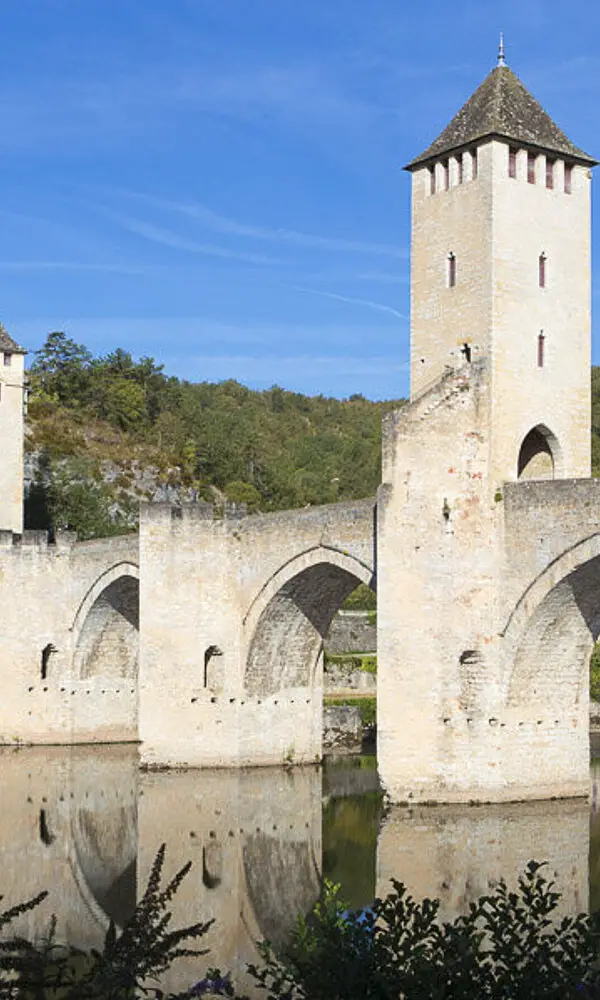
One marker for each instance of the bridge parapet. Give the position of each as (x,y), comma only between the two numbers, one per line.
(258,545)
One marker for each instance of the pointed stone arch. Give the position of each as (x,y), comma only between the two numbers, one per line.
(540,455)
(106,626)
(105,657)
(551,632)
(288,620)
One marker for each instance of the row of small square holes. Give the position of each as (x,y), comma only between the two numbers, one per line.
(258,701)
(88,691)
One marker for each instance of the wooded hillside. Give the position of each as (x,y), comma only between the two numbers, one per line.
(105,432)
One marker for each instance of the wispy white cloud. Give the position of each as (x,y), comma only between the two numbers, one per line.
(232,227)
(165,237)
(367,303)
(122,105)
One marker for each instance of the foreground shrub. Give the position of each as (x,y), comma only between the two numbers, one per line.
(129,966)
(509,946)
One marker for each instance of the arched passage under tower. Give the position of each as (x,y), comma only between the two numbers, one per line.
(539,455)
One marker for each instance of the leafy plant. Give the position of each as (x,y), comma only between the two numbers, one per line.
(367,706)
(129,965)
(368,663)
(509,946)
(361,599)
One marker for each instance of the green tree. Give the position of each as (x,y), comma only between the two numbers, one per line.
(361,599)
(292,449)
(78,502)
(122,402)
(240,492)
(61,368)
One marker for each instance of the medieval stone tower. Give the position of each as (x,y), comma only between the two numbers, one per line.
(501,270)
(500,392)
(12,358)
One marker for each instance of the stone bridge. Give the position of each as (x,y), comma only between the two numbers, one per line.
(234,611)
(203,638)
(69,639)
(213,658)
(484,537)
(488,608)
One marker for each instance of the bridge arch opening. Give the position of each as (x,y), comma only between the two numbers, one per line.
(104,692)
(287,642)
(551,663)
(539,454)
(107,643)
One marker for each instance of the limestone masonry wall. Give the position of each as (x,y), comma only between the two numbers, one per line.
(352,632)
(58,585)
(241,682)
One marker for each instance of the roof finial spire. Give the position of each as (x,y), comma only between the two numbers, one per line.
(501,59)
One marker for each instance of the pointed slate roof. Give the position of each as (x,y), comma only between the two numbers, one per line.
(502,106)
(8,345)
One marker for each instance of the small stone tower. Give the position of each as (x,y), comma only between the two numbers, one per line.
(501,270)
(12,388)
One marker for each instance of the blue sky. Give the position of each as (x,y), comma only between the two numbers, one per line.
(218,183)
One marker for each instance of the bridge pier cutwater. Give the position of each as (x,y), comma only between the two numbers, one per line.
(203,636)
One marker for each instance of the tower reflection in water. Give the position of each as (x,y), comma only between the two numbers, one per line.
(86,824)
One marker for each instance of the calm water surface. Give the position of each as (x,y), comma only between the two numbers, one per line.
(86,824)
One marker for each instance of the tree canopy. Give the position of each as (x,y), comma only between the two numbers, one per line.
(272,449)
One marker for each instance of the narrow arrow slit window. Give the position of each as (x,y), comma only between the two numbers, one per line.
(451,270)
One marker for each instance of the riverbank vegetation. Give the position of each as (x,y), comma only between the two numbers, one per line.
(509,945)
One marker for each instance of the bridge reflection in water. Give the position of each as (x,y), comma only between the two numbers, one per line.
(85,824)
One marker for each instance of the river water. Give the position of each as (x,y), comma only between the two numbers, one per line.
(85,824)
